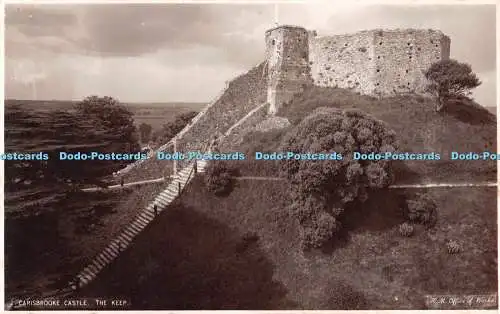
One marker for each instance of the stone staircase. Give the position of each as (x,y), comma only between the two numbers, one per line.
(126,237)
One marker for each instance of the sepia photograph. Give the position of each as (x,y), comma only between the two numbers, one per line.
(314,155)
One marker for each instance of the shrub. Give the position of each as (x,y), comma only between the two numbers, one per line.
(219,177)
(327,186)
(453,247)
(422,209)
(318,230)
(406,229)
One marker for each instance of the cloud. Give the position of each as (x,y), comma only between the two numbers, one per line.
(162,52)
(137,29)
(37,21)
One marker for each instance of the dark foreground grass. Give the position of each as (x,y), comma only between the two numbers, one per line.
(199,254)
(43,253)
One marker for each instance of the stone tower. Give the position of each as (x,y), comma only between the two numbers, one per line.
(287,56)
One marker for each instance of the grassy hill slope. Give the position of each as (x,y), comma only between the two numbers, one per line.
(242,252)
(243,94)
(199,255)
(463,128)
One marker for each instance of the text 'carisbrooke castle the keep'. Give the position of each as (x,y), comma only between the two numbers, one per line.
(375,62)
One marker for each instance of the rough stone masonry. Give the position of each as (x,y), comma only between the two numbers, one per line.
(375,62)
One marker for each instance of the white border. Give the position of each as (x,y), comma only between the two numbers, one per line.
(236,2)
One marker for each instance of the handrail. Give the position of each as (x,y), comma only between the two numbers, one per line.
(207,146)
(150,154)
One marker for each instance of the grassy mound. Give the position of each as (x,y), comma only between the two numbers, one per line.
(464,127)
(199,255)
(241,252)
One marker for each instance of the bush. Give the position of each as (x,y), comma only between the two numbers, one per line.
(321,189)
(453,247)
(422,209)
(319,230)
(406,229)
(219,177)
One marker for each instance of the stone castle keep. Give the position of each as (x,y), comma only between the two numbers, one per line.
(375,62)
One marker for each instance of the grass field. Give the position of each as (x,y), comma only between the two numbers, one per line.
(46,257)
(463,128)
(195,255)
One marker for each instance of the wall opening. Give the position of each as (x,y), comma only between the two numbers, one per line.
(378,70)
(273,42)
(406,71)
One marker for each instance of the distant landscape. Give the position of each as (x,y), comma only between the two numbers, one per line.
(155,114)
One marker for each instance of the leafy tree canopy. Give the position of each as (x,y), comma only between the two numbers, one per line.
(322,188)
(170,129)
(108,113)
(450,78)
(145,131)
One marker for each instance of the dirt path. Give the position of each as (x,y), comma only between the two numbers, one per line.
(395,186)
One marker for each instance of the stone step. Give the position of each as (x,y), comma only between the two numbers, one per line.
(124,238)
(136,228)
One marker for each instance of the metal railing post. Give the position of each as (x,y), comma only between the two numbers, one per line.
(179,188)
(175,160)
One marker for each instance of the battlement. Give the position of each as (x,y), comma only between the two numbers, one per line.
(374,62)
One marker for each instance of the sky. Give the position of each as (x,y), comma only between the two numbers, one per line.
(186,52)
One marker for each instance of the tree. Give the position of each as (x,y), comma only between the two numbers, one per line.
(108,113)
(145,131)
(321,189)
(448,79)
(170,129)
(54,132)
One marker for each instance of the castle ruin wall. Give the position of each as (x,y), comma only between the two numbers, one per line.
(343,61)
(402,57)
(287,55)
(375,62)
